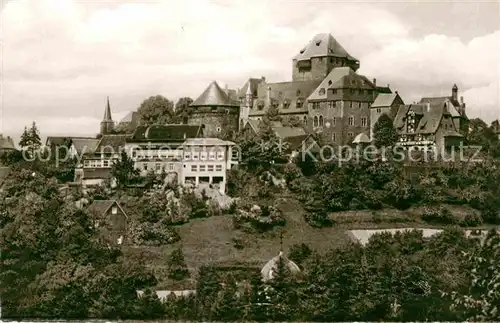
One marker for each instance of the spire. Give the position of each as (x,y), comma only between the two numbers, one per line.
(107,112)
(281,242)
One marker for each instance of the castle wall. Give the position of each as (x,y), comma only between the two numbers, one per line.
(215,119)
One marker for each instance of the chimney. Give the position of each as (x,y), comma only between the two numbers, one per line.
(454,92)
(263,79)
(388,85)
(428,104)
(462,100)
(184,135)
(269,95)
(375,82)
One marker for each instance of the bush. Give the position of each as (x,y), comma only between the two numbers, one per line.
(261,218)
(471,220)
(151,234)
(439,215)
(177,268)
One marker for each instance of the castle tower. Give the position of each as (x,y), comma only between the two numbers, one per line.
(454,93)
(214,111)
(245,107)
(107,124)
(317,59)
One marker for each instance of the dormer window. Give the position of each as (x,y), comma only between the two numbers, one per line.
(298,93)
(300,102)
(286,104)
(260,105)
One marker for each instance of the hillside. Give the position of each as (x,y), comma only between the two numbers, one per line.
(212,240)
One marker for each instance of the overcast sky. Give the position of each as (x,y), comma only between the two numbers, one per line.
(61,58)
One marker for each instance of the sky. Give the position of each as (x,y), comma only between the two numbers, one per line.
(62,58)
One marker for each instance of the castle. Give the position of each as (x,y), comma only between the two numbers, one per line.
(326,95)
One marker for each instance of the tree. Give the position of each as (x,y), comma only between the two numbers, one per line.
(30,139)
(384,133)
(182,110)
(177,268)
(156,109)
(273,113)
(123,170)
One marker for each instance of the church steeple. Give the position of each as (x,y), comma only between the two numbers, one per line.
(107,112)
(107,123)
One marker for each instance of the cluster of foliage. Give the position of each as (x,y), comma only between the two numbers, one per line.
(401,277)
(261,218)
(52,249)
(373,185)
(177,268)
(30,139)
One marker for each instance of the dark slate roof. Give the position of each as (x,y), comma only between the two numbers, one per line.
(295,142)
(429,121)
(286,132)
(440,102)
(107,112)
(85,145)
(290,91)
(384,100)
(56,141)
(96,173)
(340,78)
(166,133)
(99,207)
(323,45)
(214,96)
(361,138)
(6,143)
(253,83)
(112,142)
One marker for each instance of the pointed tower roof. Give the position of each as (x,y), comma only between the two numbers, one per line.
(107,112)
(214,96)
(323,45)
(455,87)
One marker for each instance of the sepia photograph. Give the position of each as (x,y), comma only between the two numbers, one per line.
(249,160)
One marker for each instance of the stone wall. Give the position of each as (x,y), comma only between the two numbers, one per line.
(215,120)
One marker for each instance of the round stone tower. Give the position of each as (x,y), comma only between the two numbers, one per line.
(215,111)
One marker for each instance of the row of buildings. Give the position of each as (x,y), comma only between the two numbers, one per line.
(325,96)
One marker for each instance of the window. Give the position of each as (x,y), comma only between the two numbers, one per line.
(320,121)
(315,122)
(338,104)
(300,102)
(330,82)
(334,91)
(350,121)
(334,137)
(218,168)
(114,210)
(334,121)
(145,166)
(202,168)
(316,105)
(355,105)
(196,155)
(331,104)
(210,168)
(187,155)
(134,153)
(86,163)
(158,167)
(218,129)
(211,155)
(322,91)
(364,122)
(194,168)
(379,110)
(298,92)
(220,155)
(203,155)
(286,104)
(305,119)
(350,134)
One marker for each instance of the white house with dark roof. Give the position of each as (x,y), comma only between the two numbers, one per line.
(426,127)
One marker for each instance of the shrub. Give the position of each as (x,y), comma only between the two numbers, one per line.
(439,215)
(261,218)
(151,234)
(471,220)
(177,268)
